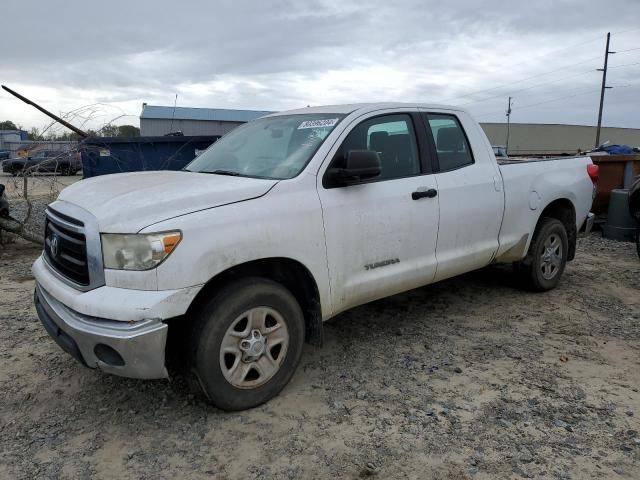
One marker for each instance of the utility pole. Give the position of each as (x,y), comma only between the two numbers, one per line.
(604,86)
(506,147)
(175,102)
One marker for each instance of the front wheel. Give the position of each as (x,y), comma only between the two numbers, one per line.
(247,343)
(547,257)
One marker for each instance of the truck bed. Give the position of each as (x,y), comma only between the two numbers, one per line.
(511,161)
(529,187)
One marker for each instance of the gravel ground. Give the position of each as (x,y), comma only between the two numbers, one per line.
(468,378)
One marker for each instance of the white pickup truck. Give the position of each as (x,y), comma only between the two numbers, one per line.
(284,223)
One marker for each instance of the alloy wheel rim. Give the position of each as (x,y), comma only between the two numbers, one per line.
(254,347)
(551,256)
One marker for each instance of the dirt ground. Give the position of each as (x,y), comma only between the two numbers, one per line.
(39,185)
(468,378)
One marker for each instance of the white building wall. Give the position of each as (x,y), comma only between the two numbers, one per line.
(156,127)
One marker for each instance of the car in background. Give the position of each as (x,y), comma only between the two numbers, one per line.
(499,151)
(49,161)
(4,154)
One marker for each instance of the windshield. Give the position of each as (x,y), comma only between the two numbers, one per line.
(274,147)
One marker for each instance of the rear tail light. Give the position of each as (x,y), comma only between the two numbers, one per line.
(594,172)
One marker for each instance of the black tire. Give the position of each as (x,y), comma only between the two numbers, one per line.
(64,170)
(214,320)
(531,269)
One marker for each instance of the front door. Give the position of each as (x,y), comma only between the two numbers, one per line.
(380,238)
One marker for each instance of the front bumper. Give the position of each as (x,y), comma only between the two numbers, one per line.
(129,349)
(115,303)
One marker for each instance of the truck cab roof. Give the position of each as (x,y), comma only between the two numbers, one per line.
(365,108)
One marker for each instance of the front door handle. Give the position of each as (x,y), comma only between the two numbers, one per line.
(432,192)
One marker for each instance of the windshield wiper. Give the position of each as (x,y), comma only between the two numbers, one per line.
(226,172)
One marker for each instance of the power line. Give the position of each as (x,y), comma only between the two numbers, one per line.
(618,101)
(556,99)
(544,102)
(628,50)
(628,85)
(625,65)
(528,88)
(553,81)
(603,87)
(523,79)
(626,31)
(578,105)
(553,52)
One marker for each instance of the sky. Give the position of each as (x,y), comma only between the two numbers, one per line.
(97,62)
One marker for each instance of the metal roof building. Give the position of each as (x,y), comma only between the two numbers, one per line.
(158,120)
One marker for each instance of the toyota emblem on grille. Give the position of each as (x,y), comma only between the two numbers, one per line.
(53,245)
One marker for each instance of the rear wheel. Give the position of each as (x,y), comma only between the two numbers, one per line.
(547,257)
(247,343)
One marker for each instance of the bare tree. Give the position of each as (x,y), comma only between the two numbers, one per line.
(31,189)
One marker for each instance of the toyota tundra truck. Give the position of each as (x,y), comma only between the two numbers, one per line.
(284,223)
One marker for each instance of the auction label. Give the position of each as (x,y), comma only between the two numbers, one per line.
(326,122)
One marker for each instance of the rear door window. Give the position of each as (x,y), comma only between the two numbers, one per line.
(450,140)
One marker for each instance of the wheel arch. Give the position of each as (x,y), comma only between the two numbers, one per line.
(290,273)
(564,210)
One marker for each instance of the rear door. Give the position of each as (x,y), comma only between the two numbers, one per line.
(380,240)
(469,191)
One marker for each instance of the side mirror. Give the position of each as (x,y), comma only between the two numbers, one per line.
(360,165)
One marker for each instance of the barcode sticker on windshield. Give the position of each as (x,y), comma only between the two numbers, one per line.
(326,122)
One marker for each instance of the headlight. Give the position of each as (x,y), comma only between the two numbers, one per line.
(137,251)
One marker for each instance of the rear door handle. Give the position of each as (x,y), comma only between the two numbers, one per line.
(432,192)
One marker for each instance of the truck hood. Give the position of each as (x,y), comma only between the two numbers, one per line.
(129,202)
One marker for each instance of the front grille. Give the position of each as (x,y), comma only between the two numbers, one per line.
(65,247)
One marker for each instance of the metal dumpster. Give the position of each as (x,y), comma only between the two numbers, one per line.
(105,155)
(616,171)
